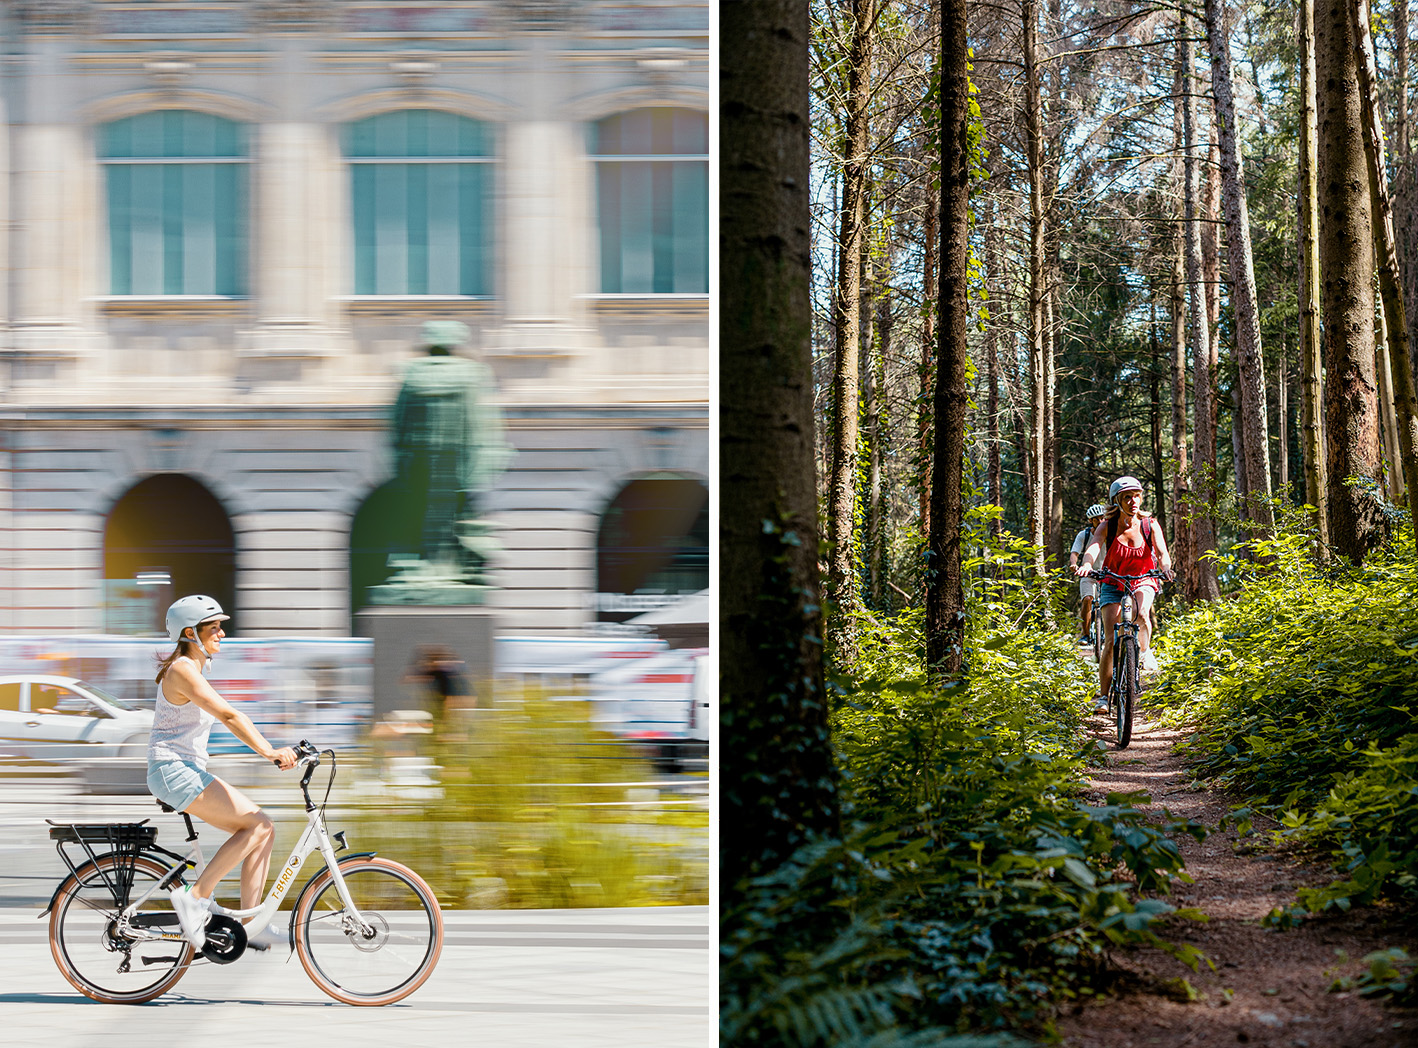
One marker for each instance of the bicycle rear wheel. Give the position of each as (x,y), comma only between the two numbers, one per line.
(386,966)
(1126,689)
(84,940)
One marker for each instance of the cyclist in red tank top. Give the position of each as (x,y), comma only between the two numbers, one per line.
(1136,546)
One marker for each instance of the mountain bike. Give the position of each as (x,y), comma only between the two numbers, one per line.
(368,930)
(1122,695)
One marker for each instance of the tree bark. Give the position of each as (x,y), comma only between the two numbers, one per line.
(925,371)
(1347,268)
(1311,347)
(1250,366)
(994,474)
(1402,412)
(1039,502)
(1203,427)
(1282,394)
(1154,416)
(1405,182)
(945,592)
(842,582)
(1183,543)
(777,779)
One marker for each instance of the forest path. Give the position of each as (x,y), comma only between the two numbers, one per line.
(1268,987)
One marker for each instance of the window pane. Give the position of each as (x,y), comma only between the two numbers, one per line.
(474,192)
(419,228)
(362,200)
(691,228)
(417,211)
(391,271)
(443,224)
(175,227)
(145,209)
(120,227)
(653,214)
(609,192)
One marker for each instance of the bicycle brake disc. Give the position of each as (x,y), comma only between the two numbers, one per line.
(226,939)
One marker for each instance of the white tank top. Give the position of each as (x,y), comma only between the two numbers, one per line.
(179,732)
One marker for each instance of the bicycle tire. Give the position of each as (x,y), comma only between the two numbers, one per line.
(88,953)
(408,935)
(1097,639)
(1127,691)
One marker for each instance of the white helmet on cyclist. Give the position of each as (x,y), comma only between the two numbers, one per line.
(1122,484)
(192,611)
(1096,510)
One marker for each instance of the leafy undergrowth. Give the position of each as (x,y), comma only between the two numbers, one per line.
(973,889)
(1302,692)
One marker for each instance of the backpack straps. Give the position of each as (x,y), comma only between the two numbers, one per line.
(1146,533)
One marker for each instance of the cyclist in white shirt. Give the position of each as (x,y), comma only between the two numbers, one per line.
(185,710)
(1087,588)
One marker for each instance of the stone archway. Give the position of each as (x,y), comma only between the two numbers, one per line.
(165,538)
(652,545)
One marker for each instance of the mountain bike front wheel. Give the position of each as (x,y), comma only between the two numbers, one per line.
(394,957)
(1126,688)
(84,939)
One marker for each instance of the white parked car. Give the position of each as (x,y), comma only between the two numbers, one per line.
(66,721)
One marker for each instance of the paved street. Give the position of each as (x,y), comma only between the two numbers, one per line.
(507,979)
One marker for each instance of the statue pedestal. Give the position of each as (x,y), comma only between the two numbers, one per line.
(399,631)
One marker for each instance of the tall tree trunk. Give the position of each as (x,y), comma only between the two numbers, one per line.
(877,434)
(1154,416)
(945,588)
(1402,422)
(1052,415)
(1347,266)
(1203,426)
(778,781)
(1405,188)
(1311,347)
(994,475)
(1250,366)
(1211,278)
(926,369)
(1039,503)
(1183,542)
(1282,394)
(842,582)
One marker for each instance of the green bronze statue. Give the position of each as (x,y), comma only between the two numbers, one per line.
(448,446)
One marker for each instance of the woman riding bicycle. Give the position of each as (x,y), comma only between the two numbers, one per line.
(1134,546)
(187,707)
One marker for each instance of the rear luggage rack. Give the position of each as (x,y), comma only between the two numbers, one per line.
(126,840)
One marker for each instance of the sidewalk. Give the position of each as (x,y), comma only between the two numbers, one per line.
(627,978)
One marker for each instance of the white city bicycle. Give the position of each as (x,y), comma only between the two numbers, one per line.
(367,930)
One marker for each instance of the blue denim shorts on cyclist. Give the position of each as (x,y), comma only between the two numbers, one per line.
(178,783)
(1110,593)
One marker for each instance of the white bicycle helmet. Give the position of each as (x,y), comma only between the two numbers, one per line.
(1096,510)
(1122,484)
(192,611)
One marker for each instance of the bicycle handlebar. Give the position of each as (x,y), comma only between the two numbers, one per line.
(1105,573)
(305,753)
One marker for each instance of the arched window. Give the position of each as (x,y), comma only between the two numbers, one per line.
(177,216)
(420,194)
(652,184)
(652,545)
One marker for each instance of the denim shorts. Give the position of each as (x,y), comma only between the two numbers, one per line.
(177,783)
(1111,594)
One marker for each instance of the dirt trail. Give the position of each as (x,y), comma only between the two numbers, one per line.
(1277,981)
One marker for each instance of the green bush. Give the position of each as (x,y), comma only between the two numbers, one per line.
(532,812)
(975,888)
(1301,692)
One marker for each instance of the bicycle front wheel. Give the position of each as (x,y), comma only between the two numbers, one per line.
(1127,690)
(93,956)
(393,957)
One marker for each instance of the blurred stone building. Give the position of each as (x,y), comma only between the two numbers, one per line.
(222,224)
